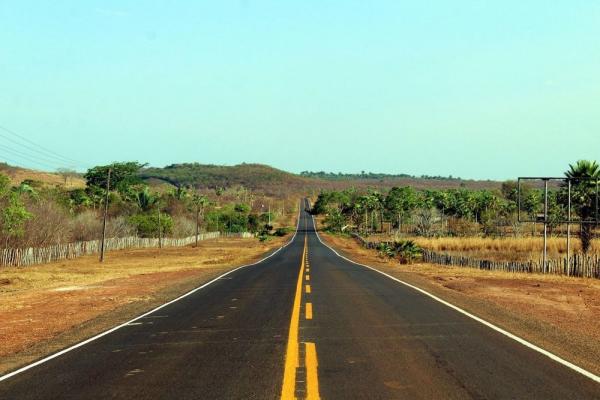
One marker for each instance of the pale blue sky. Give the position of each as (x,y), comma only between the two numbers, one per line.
(477,89)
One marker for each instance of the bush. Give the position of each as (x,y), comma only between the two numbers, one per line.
(385,250)
(282,231)
(334,221)
(146,225)
(50,224)
(183,227)
(463,227)
(86,226)
(407,251)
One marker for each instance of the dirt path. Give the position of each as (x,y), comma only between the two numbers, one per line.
(559,314)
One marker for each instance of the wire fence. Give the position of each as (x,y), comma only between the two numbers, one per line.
(580,265)
(40,255)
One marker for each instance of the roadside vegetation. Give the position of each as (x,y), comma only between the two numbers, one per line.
(34,213)
(465,220)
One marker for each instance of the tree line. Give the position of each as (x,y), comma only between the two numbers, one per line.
(463,212)
(33,213)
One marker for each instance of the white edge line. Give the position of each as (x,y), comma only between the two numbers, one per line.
(111,330)
(514,337)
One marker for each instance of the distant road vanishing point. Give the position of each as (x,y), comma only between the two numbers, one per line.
(302,323)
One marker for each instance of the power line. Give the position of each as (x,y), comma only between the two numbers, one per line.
(37,148)
(29,159)
(19,153)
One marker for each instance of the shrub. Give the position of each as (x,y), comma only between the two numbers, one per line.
(146,225)
(183,227)
(407,251)
(463,227)
(282,231)
(86,226)
(385,250)
(50,224)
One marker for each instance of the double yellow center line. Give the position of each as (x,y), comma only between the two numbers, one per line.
(292,358)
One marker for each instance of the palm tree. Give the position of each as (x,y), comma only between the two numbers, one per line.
(584,177)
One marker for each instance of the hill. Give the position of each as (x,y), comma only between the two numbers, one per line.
(18,175)
(257,177)
(253,176)
(274,181)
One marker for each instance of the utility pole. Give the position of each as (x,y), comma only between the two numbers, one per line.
(569,229)
(159,227)
(269,213)
(545,225)
(197,222)
(102,246)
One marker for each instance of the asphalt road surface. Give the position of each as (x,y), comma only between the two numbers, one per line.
(304,323)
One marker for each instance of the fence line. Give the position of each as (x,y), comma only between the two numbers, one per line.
(41,255)
(579,264)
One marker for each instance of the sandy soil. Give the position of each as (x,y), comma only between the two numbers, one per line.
(47,307)
(557,313)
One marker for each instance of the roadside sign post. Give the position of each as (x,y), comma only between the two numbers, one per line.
(565,183)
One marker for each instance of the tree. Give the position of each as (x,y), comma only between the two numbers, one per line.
(123,176)
(14,215)
(400,203)
(584,175)
(67,173)
(145,199)
(334,220)
(147,225)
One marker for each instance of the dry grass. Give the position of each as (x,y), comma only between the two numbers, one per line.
(127,263)
(501,249)
(18,175)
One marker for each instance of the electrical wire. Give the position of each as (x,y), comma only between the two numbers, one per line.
(39,149)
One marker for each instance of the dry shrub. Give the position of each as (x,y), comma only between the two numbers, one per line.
(86,226)
(463,227)
(183,227)
(119,227)
(50,225)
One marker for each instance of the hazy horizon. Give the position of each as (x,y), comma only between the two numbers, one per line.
(473,90)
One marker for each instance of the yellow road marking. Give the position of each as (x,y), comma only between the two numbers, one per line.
(308,289)
(291,356)
(308,310)
(312,379)
(308,277)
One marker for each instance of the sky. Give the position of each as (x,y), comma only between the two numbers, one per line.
(476,89)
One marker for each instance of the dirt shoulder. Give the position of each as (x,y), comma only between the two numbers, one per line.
(48,307)
(559,314)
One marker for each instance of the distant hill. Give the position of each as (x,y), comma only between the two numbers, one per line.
(273,181)
(372,175)
(252,176)
(18,175)
(257,177)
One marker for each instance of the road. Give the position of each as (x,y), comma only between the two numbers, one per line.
(303,323)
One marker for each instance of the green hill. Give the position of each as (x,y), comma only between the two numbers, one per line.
(274,181)
(252,176)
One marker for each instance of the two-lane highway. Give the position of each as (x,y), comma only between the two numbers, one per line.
(303,323)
